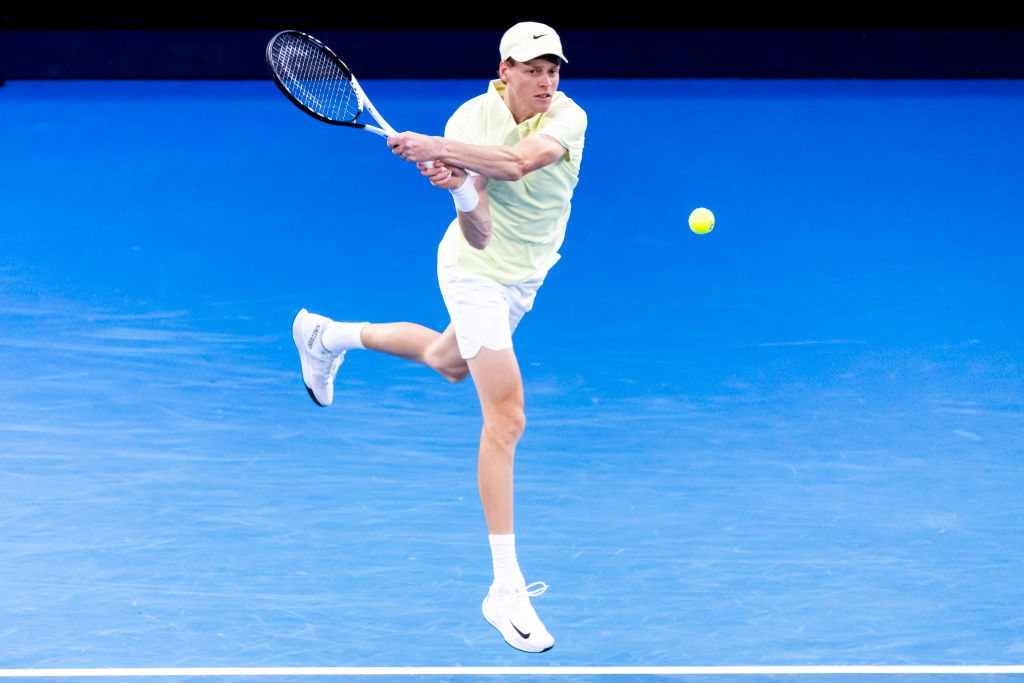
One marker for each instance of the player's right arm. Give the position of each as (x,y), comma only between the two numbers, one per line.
(501,162)
(494,161)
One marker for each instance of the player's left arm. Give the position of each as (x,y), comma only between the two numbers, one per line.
(493,161)
(474,222)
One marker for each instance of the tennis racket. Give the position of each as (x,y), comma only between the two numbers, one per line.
(318,82)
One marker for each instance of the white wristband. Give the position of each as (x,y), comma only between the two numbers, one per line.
(466,197)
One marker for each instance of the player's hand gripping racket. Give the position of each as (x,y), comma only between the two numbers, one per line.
(318,82)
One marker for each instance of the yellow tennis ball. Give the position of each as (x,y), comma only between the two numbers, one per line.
(702,221)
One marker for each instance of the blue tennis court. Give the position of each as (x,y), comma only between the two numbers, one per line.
(798,440)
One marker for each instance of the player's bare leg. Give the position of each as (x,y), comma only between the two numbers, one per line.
(500,388)
(439,351)
(322,344)
(507,606)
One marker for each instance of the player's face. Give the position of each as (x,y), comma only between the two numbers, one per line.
(529,86)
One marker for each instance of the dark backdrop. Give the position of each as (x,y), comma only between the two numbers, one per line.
(46,43)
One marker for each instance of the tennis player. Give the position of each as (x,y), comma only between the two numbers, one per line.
(511,159)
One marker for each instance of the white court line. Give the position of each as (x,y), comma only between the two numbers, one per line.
(515,670)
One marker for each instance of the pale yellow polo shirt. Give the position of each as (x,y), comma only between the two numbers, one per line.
(528,215)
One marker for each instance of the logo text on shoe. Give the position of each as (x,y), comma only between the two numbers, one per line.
(312,337)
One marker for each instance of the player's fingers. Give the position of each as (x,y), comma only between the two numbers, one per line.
(448,180)
(400,147)
(435,174)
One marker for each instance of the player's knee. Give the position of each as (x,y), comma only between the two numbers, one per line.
(517,422)
(456,374)
(452,367)
(507,424)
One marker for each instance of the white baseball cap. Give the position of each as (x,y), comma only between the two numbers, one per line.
(528,40)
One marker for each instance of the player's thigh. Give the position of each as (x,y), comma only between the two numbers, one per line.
(499,383)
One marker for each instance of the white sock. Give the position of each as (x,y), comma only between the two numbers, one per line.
(338,337)
(507,576)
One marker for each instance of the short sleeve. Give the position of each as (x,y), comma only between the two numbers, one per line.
(567,125)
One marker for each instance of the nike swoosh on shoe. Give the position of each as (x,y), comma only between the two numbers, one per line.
(524,636)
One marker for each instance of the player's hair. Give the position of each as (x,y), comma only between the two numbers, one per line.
(551,58)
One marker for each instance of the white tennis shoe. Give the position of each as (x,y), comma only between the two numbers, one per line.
(513,616)
(319,366)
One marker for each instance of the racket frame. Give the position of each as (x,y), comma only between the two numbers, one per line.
(363,102)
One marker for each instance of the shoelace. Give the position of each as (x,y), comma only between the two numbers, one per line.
(533,590)
(536,588)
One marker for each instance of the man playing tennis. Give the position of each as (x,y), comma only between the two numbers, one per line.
(511,159)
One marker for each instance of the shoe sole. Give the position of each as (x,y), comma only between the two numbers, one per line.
(510,636)
(301,348)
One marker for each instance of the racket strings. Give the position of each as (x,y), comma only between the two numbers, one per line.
(316,80)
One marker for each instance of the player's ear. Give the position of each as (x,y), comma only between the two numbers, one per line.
(503,68)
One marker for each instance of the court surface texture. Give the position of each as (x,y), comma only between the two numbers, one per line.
(797,441)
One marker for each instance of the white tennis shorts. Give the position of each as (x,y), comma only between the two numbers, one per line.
(484,312)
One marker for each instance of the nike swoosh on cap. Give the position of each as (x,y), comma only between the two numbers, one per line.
(540,36)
